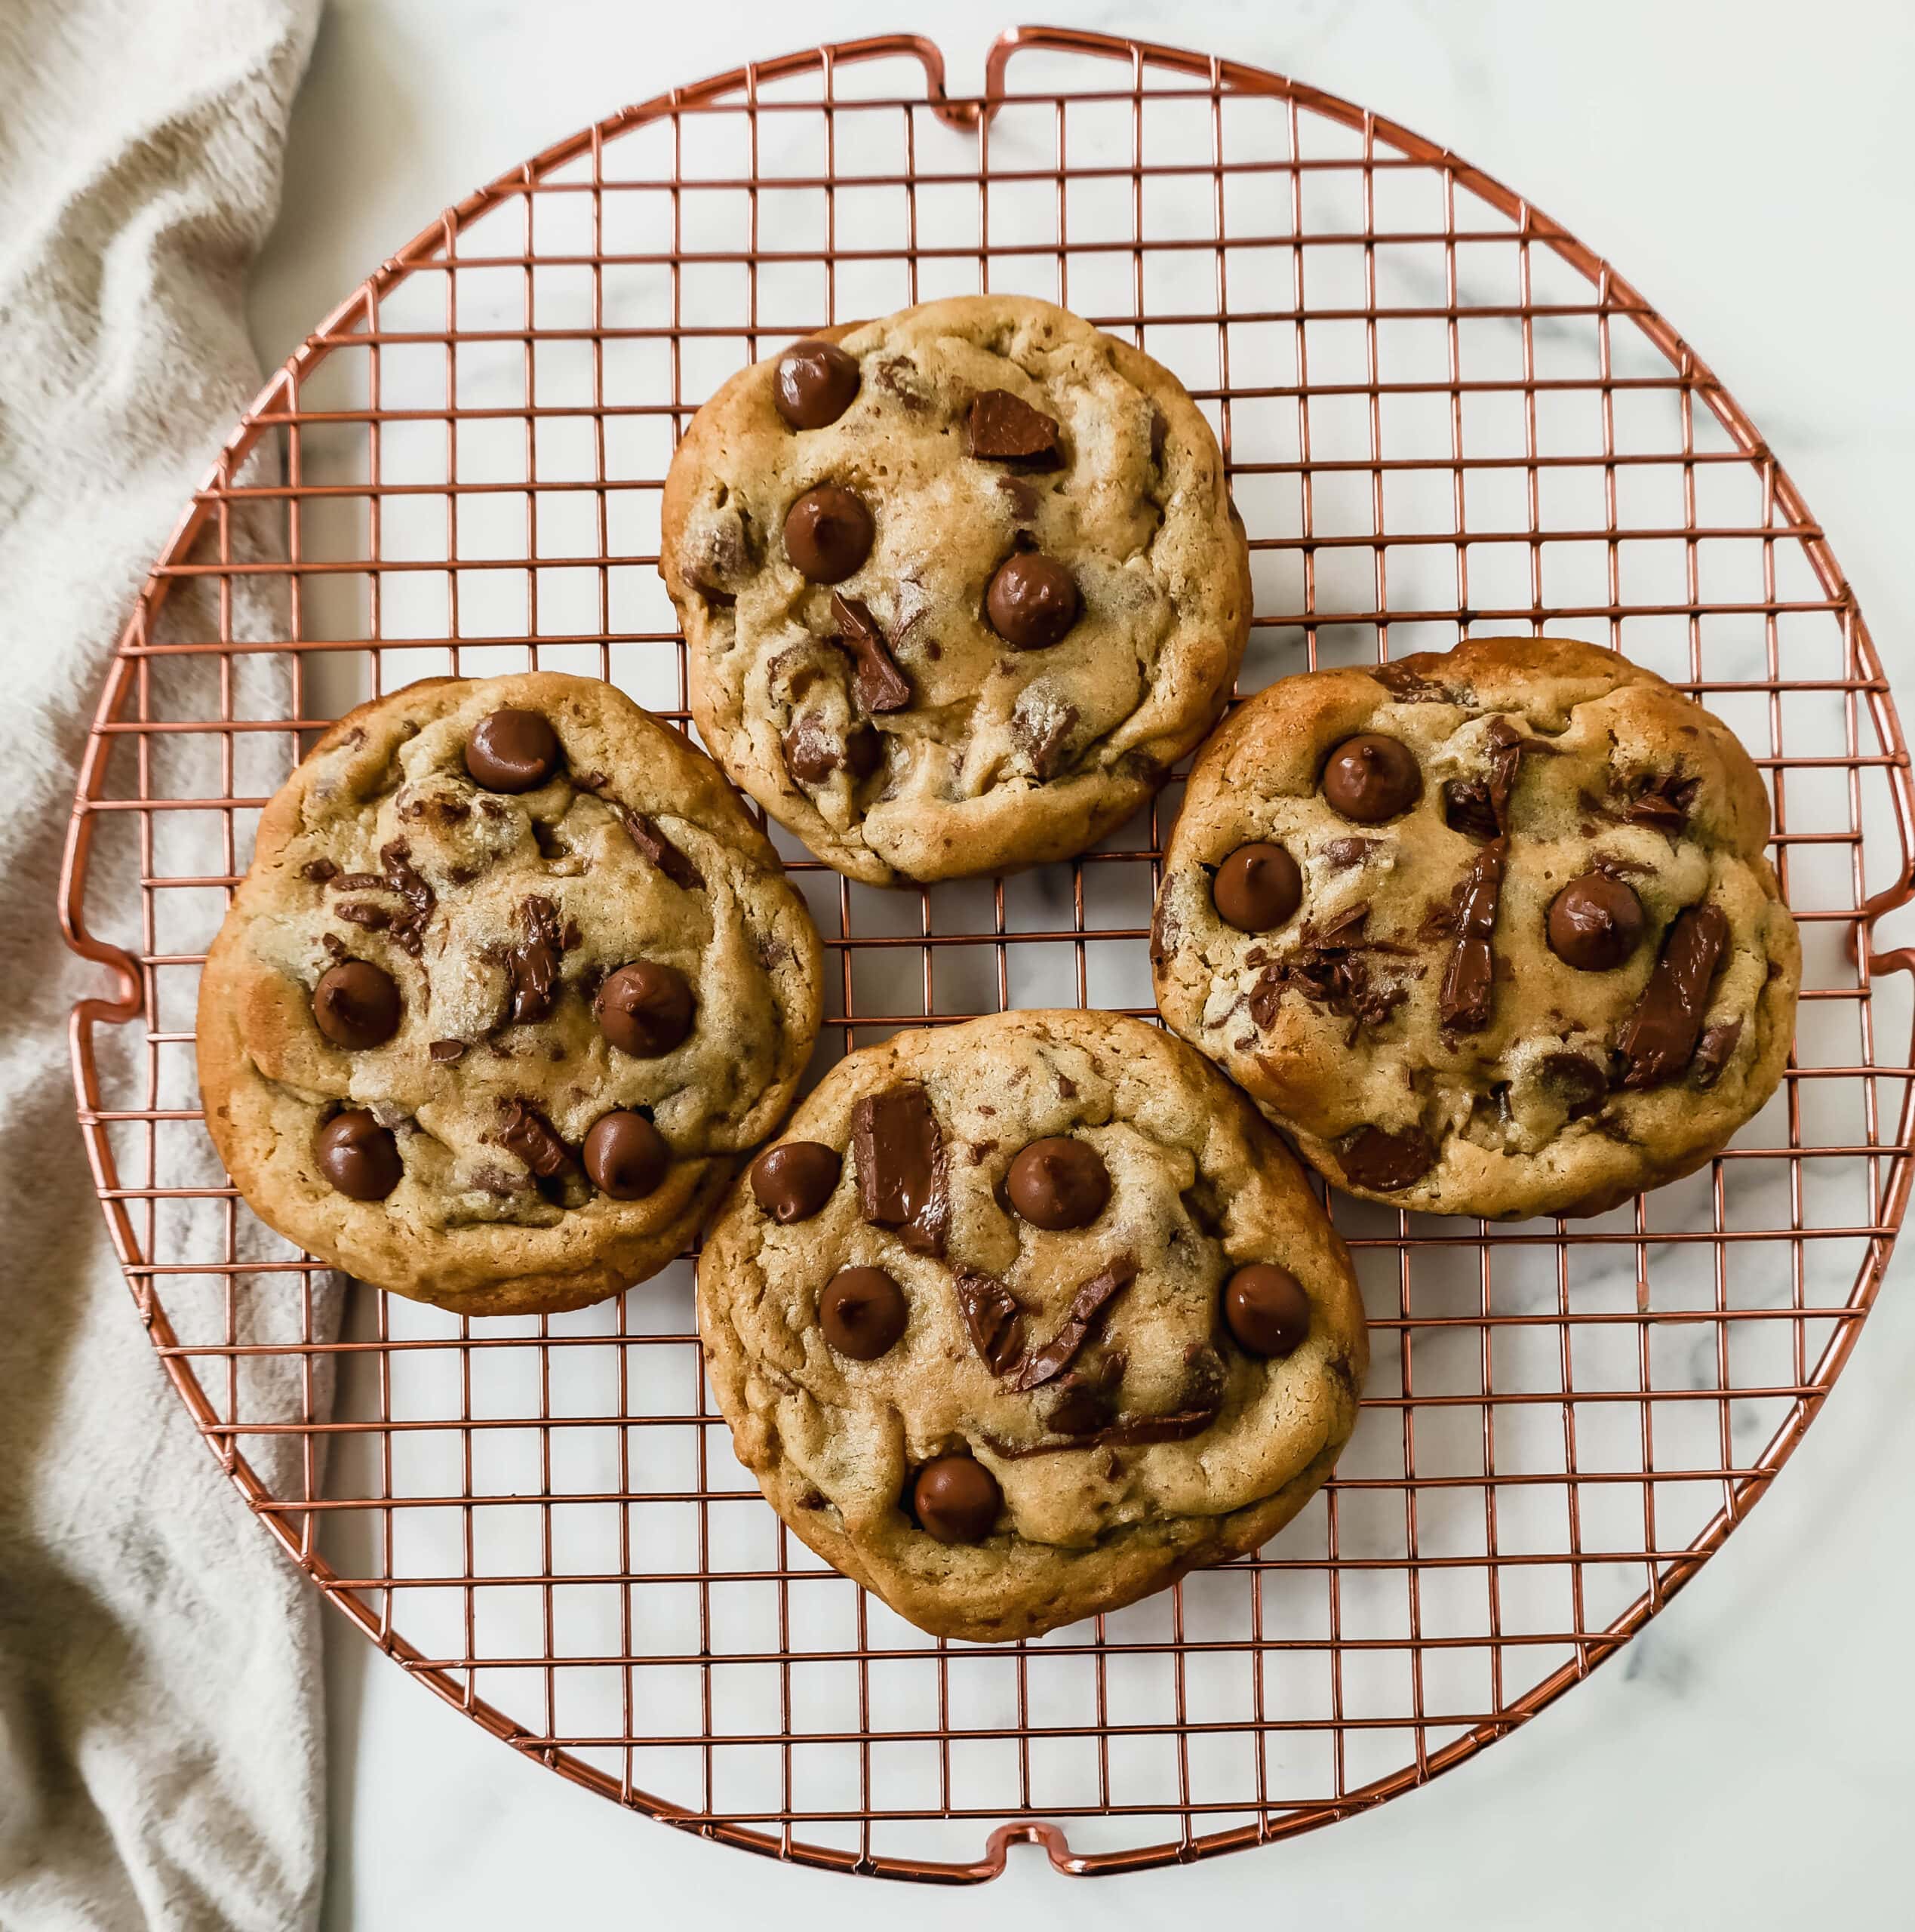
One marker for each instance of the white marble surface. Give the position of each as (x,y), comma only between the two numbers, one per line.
(1749,1760)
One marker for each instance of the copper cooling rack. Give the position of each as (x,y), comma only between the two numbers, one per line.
(1443,415)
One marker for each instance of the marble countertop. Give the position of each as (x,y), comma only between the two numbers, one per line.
(1750,1760)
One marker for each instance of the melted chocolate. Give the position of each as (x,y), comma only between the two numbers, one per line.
(532,963)
(900,1160)
(992,1318)
(1660,1035)
(643,833)
(1086,1313)
(877,683)
(1384,1161)
(1712,1052)
(1469,980)
(525,1132)
(1004,428)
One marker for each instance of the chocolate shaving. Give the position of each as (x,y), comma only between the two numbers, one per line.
(1470,979)
(359,882)
(1404,682)
(335,947)
(1661,801)
(1043,743)
(532,963)
(1580,1082)
(409,928)
(1331,966)
(643,833)
(1341,855)
(877,683)
(994,1319)
(1712,1052)
(525,1132)
(1660,1034)
(447,1051)
(900,1157)
(1086,1310)
(1004,428)
(317,870)
(363,912)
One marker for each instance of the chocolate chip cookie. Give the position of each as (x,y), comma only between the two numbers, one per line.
(957,586)
(1023,1318)
(1490,932)
(511,980)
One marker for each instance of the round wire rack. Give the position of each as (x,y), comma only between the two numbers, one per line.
(1442,414)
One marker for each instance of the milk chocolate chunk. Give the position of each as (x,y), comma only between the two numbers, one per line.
(900,1159)
(1257,888)
(1032,602)
(525,1132)
(828,533)
(357,1005)
(814,383)
(811,753)
(645,1009)
(358,1156)
(1374,1158)
(956,1498)
(1408,685)
(791,1181)
(1595,923)
(1004,428)
(1058,1182)
(625,1156)
(1661,1034)
(1470,979)
(1712,1052)
(992,1319)
(877,682)
(1370,778)
(1086,1313)
(532,963)
(1663,802)
(861,1313)
(1265,1310)
(512,751)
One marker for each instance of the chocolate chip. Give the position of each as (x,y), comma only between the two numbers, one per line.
(625,1156)
(1257,888)
(1343,855)
(899,1153)
(956,1498)
(356,1005)
(1058,1182)
(1370,778)
(829,533)
(511,751)
(814,383)
(791,1181)
(861,1313)
(360,1157)
(1662,1032)
(1265,1310)
(879,684)
(1032,602)
(992,1319)
(1085,1314)
(645,1009)
(1469,980)
(1004,428)
(446,1052)
(1595,923)
(1384,1162)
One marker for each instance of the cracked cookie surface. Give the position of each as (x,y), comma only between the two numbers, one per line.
(958,586)
(511,980)
(1490,932)
(1022,1317)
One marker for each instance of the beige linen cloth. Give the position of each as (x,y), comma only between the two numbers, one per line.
(161,1724)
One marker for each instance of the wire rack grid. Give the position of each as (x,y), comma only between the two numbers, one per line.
(1442,415)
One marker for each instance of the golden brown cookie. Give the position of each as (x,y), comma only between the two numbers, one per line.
(1490,932)
(958,586)
(1021,1318)
(512,979)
